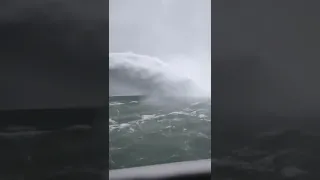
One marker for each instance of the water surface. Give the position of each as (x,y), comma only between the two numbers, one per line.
(144,134)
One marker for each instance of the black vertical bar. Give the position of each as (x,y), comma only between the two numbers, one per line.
(53,75)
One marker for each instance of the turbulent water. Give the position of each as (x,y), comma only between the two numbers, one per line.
(142,134)
(171,123)
(281,149)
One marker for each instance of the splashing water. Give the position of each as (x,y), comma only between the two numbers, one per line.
(133,74)
(165,130)
(145,135)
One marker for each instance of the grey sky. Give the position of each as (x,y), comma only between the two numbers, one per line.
(159,27)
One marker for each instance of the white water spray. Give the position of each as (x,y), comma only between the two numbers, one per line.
(171,45)
(132,74)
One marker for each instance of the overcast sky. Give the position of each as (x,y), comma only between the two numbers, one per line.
(159,27)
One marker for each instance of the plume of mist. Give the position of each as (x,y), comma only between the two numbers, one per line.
(171,45)
(132,74)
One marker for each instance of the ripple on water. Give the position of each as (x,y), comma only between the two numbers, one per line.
(142,135)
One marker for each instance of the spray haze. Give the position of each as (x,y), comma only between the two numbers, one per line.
(170,45)
(133,74)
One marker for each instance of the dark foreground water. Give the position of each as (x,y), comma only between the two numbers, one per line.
(266,148)
(145,134)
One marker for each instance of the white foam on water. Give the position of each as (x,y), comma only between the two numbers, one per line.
(115,103)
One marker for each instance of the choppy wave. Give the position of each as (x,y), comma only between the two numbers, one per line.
(144,135)
(171,123)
